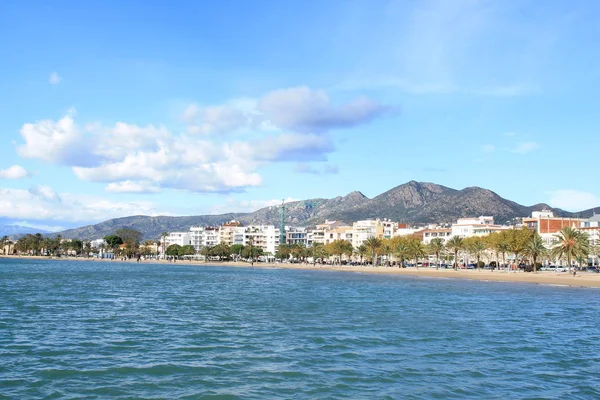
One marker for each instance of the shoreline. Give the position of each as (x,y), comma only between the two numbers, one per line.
(582,279)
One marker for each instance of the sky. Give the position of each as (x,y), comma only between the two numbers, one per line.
(112,108)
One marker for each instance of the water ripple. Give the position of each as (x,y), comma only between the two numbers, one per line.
(112,330)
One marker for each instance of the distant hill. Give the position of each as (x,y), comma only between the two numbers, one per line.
(412,202)
(18,230)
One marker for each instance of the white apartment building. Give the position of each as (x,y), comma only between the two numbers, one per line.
(482,226)
(180,238)
(443,233)
(298,235)
(231,233)
(321,233)
(264,236)
(389,228)
(201,236)
(362,230)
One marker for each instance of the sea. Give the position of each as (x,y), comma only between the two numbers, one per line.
(111,330)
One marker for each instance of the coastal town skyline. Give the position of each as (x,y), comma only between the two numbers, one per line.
(119,114)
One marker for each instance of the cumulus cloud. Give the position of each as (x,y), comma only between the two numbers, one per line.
(59,142)
(54,78)
(299,109)
(306,110)
(287,125)
(219,119)
(40,203)
(525,147)
(14,172)
(45,193)
(573,200)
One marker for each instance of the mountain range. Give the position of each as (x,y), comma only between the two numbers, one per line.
(16,230)
(412,202)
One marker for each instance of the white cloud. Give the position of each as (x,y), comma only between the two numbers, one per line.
(45,193)
(306,110)
(14,172)
(54,78)
(488,148)
(573,200)
(525,147)
(141,159)
(44,204)
(218,119)
(132,187)
(298,109)
(59,142)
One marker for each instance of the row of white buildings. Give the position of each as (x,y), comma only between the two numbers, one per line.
(267,237)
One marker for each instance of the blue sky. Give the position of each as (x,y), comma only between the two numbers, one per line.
(180,108)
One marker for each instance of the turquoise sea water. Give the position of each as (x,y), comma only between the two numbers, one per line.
(114,330)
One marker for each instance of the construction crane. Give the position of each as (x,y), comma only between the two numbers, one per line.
(282,226)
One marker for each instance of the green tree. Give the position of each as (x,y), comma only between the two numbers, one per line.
(206,251)
(436,246)
(318,252)
(76,245)
(163,241)
(535,248)
(475,245)
(187,250)
(113,241)
(417,249)
(173,250)
(572,244)
(516,240)
(3,243)
(131,238)
(221,250)
(401,247)
(363,251)
(455,244)
(373,244)
(340,248)
(386,250)
(237,250)
(298,251)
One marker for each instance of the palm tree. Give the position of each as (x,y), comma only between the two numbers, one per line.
(163,236)
(362,251)
(455,244)
(3,242)
(572,244)
(535,248)
(417,250)
(402,249)
(373,244)
(476,247)
(386,250)
(436,246)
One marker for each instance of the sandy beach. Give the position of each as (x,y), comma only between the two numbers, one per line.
(582,279)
